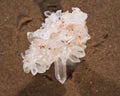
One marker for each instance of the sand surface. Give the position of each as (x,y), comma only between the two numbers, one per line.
(97,75)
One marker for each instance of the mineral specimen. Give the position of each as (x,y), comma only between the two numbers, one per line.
(62,37)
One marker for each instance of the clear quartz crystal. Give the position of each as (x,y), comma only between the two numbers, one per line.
(61,37)
(60,71)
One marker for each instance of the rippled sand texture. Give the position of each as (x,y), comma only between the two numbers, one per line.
(98,74)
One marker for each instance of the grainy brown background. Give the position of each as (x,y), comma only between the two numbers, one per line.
(97,75)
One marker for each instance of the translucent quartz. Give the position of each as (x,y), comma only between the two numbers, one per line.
(62,37)
(60,71)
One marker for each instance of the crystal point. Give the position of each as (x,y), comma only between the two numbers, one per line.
(60,71)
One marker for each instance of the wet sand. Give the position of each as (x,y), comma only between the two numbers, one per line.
(97,75)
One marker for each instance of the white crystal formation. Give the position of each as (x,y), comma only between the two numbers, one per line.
(62,37)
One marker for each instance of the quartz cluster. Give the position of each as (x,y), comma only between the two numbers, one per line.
(62,37)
